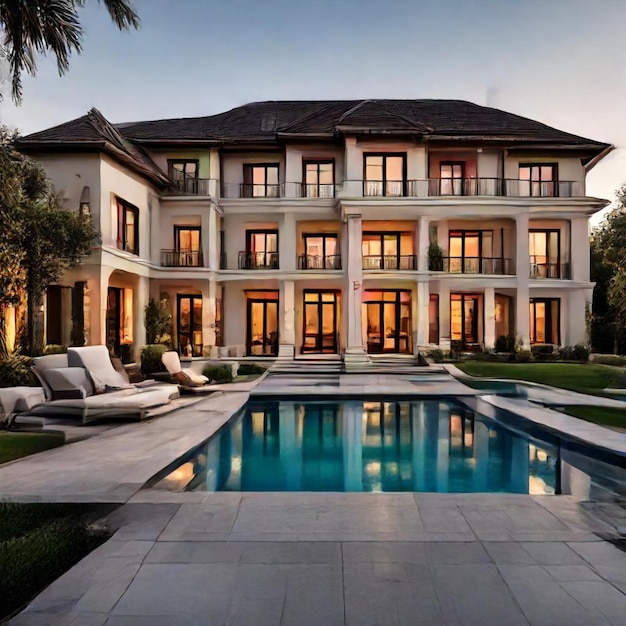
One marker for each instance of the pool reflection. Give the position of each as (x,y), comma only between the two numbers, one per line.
(430,445)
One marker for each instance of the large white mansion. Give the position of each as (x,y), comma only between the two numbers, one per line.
(326,227)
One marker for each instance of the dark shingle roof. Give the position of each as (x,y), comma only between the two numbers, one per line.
(268,121)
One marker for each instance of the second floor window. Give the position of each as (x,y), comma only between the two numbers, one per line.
(538,180)
(127,227)
(384,175)
(319,179)
(451,175)
(261,250)
(321,252)
(544,248)
(471,251)
(261,181)
(184,172)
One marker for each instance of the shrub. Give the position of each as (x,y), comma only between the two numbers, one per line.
(579,352)
(158,322)
(15,371)
(249,369)
(52,348)
(436,355)
(151,359)
(609,359)
(219,373)
(505,343)
(523,356)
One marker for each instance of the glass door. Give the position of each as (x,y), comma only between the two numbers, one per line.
(320,322)
(464,313)
(388,315)
(262,332)
(114,320)
(189,324)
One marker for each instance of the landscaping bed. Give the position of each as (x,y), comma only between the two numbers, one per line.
(15,445)
(38,543)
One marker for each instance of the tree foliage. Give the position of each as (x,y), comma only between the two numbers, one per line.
(34,27)
(39,239)
(608,271)
(158,323)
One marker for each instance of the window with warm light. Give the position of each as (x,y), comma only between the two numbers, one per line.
(538,179)
(544,248)
(451,174)
(319,179)
(385,175)
(127,226)
(261,181)
(545,316)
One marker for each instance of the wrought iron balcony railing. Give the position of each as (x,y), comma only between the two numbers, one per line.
(258,260)
(317,191)
(189,184)
(181,258)
(249,190)
(392,188)
(549,270)
(319,262)
(390,262)
(472,265)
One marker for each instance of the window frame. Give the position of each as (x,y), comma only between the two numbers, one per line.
(548,231)
(451,179)
(182,183)
(264,231)
(123,208)
(554,180)
(533,315)
(192,298)
(384,181)
(324,237)
(248,173)
(306,185)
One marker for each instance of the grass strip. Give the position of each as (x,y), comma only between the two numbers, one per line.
(15,445)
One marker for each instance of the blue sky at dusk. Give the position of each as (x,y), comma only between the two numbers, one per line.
(562,62)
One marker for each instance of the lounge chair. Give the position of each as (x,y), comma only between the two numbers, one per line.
(83,383)
(186,378)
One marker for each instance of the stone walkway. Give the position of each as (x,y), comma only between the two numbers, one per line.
(326,559)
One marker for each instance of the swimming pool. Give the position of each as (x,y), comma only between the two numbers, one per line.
(366,445)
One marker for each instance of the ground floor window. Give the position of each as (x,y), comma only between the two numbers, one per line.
(388,318)
(262,325)
(545,314)
(119,322)
(464,316)
(503,313)
(189,324)
(320,322)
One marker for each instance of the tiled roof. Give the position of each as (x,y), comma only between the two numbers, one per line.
(268,121)
(95,131)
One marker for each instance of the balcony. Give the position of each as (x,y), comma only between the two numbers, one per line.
(549,270)
(189,185)
(317,262)
(386,188)
(178,258)
(258,260)
(406,262)
(316,191)
(248,190)
(473,265)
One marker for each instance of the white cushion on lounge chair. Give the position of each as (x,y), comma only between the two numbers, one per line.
(96,360)
(186,376)
(42,364)
(69,382)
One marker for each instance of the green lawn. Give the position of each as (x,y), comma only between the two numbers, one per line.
(581,377)
(599,415)
(38,543)
(16,445)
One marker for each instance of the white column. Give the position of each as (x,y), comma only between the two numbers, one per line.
(444,315)
(290,449)
(579,242)
(424,241)
(286,320)
(352,430)
(354,292)
(211,238)
(287,243)
(490,318)
(209,309)
(522,270)
(423,297)
(155,229)
(140,300)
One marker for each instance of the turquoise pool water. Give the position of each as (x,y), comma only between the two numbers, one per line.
(425,445)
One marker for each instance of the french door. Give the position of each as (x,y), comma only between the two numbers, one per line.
(388,315)
(464,314)
(115,303)
(262,331)
(320,322)
(189,324)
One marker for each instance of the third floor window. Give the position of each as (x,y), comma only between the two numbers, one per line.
(184,172)
(385,175)
(538,179)
(261,181)
(319,179)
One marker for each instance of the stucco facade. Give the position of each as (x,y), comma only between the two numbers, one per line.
(357,244)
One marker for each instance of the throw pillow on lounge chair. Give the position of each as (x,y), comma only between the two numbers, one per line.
(185,377)
(67,383)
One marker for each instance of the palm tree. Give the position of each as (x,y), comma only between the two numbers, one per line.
(33,27)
